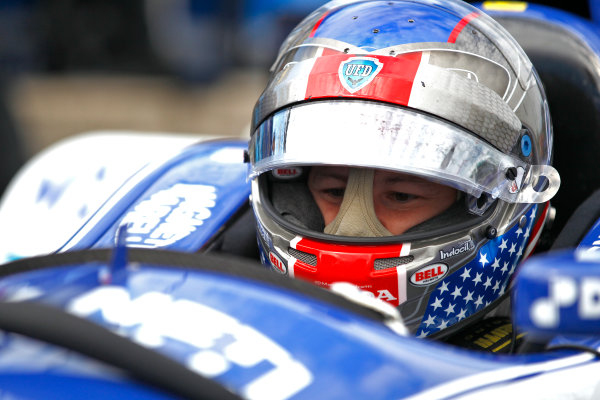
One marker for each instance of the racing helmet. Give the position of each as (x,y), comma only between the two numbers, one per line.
(420,92)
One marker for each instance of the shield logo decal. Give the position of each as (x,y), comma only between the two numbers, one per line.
(357,72)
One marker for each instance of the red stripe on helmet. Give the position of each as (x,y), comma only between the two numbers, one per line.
(353,264)
(460,26)
(536,231)
(393,84)
(533,238)
(314,29)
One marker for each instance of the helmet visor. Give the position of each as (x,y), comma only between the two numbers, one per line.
(380,136)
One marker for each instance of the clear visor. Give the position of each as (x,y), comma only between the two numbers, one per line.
(379,136)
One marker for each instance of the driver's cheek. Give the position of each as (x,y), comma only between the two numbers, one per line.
(328,209)
(401,218)
(399,221)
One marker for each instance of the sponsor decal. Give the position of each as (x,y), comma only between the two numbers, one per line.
(221,345)
(263,234)
(429,274)
(500,336)
(567,292)
(385,294)
(357,72)
(491,334)
(277,263)
(380,294)
(456,250)
(169,215)
(287,173)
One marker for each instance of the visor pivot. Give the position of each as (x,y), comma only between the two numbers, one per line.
(491,232)
(522,221)
(511,173)
(482,200)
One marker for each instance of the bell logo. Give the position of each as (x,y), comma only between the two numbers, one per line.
(385,295)
(287,173)
(429,274)
(277,263)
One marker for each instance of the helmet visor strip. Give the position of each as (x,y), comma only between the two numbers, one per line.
(376,135)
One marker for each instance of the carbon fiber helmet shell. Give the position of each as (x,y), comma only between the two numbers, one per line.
(430,88)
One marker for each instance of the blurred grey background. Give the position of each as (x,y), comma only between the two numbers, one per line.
(185,66)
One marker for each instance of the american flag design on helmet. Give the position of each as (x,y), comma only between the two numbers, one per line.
(480,282)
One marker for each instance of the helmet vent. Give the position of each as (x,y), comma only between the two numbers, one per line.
(385,263)
(306,258)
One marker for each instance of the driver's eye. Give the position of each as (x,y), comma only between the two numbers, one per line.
(335,192)
(403,197)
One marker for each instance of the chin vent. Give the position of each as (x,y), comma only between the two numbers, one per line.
(306,258)
(385,263)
